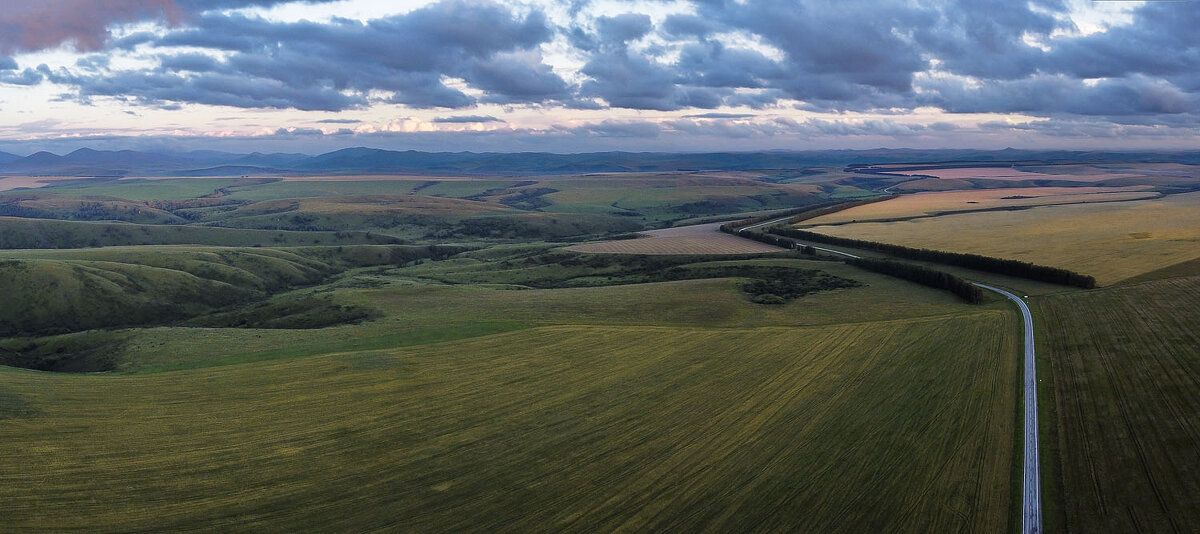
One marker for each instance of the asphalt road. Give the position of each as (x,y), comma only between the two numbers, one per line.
(1031,501)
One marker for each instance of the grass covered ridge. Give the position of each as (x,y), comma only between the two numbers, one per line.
(53,292)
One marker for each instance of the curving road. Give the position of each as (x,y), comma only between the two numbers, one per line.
(1031,501)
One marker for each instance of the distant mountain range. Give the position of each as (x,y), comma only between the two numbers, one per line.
(88,162)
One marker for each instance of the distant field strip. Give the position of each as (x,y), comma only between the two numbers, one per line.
(894,426)
(1008,173)
(1126,370)
(8,183)
(697,239)
(924,204)
(1111,241)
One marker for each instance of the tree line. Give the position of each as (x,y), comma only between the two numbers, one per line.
(977,262)
(922,275)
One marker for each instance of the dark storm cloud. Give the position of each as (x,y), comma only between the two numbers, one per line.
(36,25)
(332,66)
(32,26)
(510,79)
(25,77)
(623,28)
(1062,94)
(985,38)
(1162,42)
(221,89)
(679,25)
(720,116)
(466,119)
(610,128)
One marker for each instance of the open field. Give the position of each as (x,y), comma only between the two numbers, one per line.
(669,196)
(174,189)
(8,183)
(367,185)
(936,203)
(1158,175)
(1164,172)
(1125,365)
(1111,241)
(369,205)
(1010,173)
(554,429)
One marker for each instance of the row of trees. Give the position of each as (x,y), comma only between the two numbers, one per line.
(922,275)
(977,262)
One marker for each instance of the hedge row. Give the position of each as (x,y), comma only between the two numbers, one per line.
(989,264)
(922,275)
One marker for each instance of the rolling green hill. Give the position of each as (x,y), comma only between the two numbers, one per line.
(50,292)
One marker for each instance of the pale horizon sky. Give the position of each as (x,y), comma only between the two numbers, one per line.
(585,76)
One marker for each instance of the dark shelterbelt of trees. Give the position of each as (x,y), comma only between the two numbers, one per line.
(922,275)
(989,264)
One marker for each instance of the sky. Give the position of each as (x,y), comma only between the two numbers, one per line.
(597,75)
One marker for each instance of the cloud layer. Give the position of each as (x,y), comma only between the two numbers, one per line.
(821,56)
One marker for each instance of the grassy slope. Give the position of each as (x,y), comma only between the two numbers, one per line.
(1125,365)
(868,427)
(416,313)
(62,291)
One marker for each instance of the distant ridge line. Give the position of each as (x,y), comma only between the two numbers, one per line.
(362,160)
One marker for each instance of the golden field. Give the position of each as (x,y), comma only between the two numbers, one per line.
(1111,241)
(939,202)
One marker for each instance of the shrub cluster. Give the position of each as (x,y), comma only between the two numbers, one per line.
(922,275)
(977,262)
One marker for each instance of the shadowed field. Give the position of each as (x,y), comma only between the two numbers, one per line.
(1125,365)
(845,428)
